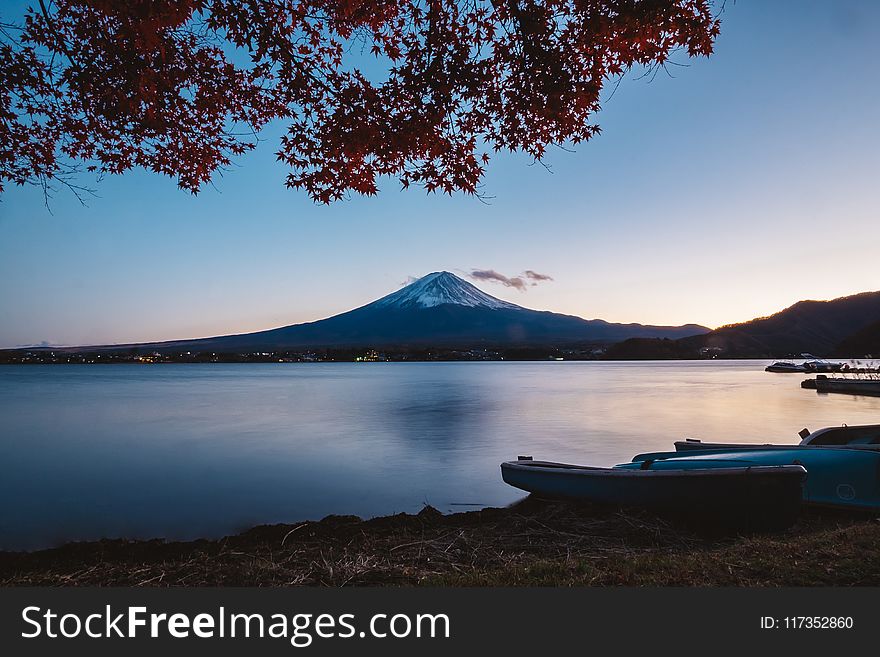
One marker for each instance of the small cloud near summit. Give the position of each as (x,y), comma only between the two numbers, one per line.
(520,282)
(494,277)
(535,276)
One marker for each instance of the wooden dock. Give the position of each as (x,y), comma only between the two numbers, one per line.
(869,387)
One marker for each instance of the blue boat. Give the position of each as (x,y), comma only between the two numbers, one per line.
(857,436)
(732,494)
(841,477)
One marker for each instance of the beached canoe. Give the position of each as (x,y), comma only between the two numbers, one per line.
(860,436)
(836,477)
(738,495)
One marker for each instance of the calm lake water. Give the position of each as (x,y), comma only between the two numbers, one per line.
(185,451)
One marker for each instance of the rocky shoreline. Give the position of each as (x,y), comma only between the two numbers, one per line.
(533,543)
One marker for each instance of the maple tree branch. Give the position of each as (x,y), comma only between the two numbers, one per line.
(154,85)
(58,37)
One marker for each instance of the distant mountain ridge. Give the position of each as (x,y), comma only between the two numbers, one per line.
(817,327)
(839,327)
(439,309)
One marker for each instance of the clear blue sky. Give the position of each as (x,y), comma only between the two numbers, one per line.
(743,184)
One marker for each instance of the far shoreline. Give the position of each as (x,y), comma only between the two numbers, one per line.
(5,359)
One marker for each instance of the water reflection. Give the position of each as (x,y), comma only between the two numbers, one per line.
(448,415)
(202,450)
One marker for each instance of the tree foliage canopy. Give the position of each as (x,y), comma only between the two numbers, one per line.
(180,87)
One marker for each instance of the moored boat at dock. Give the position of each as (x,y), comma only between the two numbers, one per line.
(783,366)
(812,364)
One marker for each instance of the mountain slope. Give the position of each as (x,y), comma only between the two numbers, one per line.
(807,326)
(816,327)
(439,309)
(862,343)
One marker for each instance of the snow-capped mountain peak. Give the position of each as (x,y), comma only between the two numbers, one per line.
(441,288)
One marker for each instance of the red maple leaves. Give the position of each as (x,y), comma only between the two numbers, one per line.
(181,86)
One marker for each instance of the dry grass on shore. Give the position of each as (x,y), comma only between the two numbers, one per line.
(531,544)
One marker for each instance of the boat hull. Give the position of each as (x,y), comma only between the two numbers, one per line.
(859,436)
(786,369)
(753,498)
(842,477)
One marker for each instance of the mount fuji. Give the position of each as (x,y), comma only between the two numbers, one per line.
(439,309)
